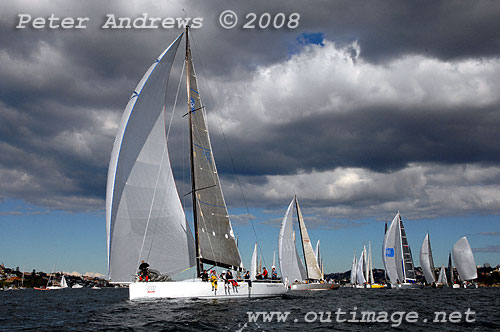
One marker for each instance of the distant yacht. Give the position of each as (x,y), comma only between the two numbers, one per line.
(426,261)
(464,260)
(62,284)
(397,258)
(300,277)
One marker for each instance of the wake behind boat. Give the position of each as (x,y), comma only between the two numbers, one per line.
(144,215)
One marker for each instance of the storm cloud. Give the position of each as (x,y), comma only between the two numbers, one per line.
(396,108)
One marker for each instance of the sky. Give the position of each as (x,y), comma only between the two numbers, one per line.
(364,109)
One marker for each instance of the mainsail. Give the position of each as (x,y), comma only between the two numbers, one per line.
(370,263)
(426,260)
(451,280)
(360,278)
(442,277)
(64,283)
(353,269)
(253,264)
(317,254)
(290,263)
(216,241)
(409,271)
(312,266)
(464,259)
(144,215)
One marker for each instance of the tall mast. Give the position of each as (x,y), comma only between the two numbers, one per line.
(199,264)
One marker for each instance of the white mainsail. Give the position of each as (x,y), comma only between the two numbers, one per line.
(144,215)
(426,260)
(253,264)
(290,264)
(312,266)
(442,276)
(366,263)
(353,269)
(370,263)
(317,253)
(360,278)
(464,259)
(64,284)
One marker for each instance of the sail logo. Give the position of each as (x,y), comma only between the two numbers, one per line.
(389,252)
(192,103)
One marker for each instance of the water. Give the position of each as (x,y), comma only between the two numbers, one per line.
(110,310)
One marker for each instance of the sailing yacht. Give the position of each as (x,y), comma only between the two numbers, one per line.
(442,281)
(397,258)
(451,271)
(62,284)
(354,270)
(293,271)
(464,260)
(360,276)
(145,219)
(426,261)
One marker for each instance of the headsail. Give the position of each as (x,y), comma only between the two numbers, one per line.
(144,215)
(392,252)
(464,259)
(312,266)
(426,261)
(397,254)
(216,240)
(290,263)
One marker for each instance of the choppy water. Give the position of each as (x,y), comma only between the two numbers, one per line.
(110,310)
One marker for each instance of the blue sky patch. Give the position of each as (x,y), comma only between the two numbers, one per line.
(305,39)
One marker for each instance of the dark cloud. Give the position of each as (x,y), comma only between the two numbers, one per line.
(380,139)
(62,94)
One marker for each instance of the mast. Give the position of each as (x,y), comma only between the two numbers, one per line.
(370,264)
(450,269)
(383,253)
(199,264)
(367,264)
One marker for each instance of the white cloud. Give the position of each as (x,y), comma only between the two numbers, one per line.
(328,79)
(419,190)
